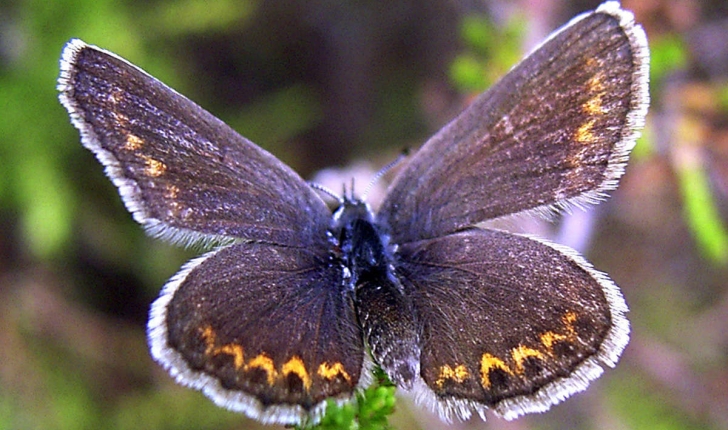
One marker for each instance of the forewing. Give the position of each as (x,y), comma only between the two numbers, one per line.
(507,322)
(260,329)
(182,173)
(556,130)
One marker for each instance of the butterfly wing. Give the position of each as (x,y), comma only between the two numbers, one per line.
(261,329)
(260,326)
(513,150)
(508,322)
(184,174)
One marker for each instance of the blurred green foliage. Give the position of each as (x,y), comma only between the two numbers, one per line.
(644,407)
(668,53)
(188,17)
(490,51)
(723,98)
(701,212)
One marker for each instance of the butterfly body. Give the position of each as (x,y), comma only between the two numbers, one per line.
(383,309)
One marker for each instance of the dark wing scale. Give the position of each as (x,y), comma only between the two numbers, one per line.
(293,342)
(552,321)
(184,174)
(511,150)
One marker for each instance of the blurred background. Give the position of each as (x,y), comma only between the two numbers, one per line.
(324,83)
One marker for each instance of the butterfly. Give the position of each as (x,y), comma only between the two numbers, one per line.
(298,302)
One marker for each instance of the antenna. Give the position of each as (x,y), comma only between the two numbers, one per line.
(384,170)
(328,192)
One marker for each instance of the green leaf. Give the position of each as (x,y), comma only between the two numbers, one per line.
(700,210)
(370,410)
(667,54)
(490,51)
